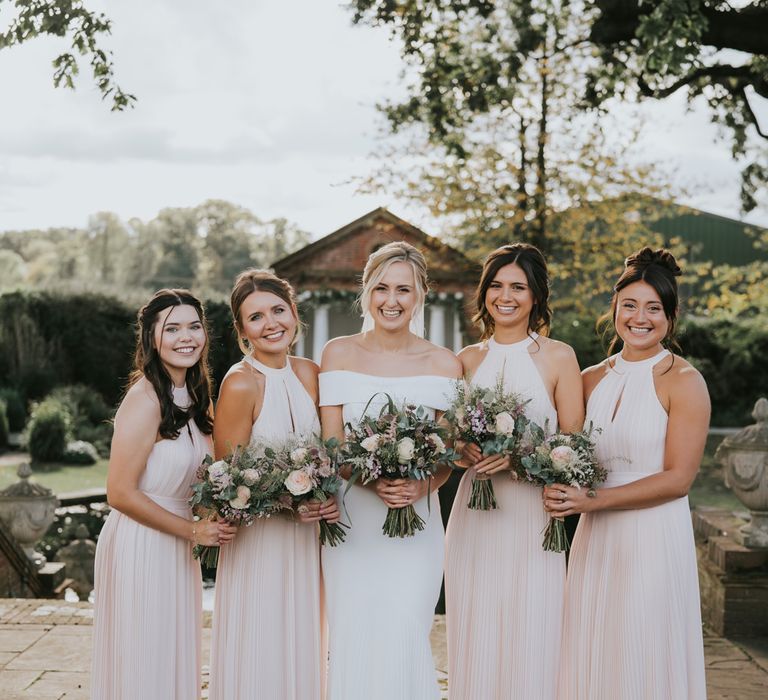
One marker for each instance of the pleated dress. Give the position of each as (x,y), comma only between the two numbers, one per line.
(503,592)
(632,626)
(381,592)
(147,614)
(266,636)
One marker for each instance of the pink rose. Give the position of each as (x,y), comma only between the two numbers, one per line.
(298,482)
(562,456)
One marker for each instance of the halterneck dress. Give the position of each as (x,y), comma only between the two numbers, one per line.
(632,627)
(381,592)
(266,637)
(147,614)
(503,592)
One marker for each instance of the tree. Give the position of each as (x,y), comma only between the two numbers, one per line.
(83,28)
(467,56)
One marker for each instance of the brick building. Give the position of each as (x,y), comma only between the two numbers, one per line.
(326,275)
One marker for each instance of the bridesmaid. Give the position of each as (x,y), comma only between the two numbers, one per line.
(147,616)
(632,625)
(504,593)
(266,638)
(381,592)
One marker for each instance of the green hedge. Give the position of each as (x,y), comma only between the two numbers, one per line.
(49,340)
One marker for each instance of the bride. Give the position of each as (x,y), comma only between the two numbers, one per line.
(381,592)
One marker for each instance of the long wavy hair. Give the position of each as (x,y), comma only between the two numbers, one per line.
(660,270)
(147,363)
(530,260)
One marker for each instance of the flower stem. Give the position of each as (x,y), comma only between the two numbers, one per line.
(402,522)
(482,496)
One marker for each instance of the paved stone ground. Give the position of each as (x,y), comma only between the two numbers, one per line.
(45,649)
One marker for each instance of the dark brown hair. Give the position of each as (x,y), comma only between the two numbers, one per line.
(532,263)
(147,363)
(659,269)
(253,280)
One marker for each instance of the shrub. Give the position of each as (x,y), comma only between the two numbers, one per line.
(48,431)
(3,426)
(15,407)
(80,452)
(100,436)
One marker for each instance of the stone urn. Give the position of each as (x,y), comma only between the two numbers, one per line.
(27,509)
(79,556)
(744,456)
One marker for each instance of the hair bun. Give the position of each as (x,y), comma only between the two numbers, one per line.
(645,257)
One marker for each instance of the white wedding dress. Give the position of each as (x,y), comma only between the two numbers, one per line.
(381,592)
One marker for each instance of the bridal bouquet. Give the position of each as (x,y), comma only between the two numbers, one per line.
(562,459)
(310,472)
(239,488)
(495,421)
(401,443)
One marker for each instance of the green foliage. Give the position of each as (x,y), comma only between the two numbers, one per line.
(84,30)
(15,407)
(91,418)
(48,431)
(472,57)
(3,425)
(80,452)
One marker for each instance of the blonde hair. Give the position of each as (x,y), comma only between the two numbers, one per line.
(253,280)
(379,262)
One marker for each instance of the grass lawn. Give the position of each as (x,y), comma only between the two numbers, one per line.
(60,478)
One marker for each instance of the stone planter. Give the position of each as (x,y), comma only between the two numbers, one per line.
(28,509)
(744,457)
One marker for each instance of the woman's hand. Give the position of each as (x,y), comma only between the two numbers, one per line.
(315,511)
(561,500)
(212,533)
(399,493)
(470,453)
(492,464)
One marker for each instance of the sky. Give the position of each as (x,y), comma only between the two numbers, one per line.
(270,104)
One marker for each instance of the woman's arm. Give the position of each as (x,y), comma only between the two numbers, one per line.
(569,390)
(235,411)
(689,411)
(136,425)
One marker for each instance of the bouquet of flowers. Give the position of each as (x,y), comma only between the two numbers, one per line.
(401,443)
(562,459)
(493,419)
(239,488)
(310,471)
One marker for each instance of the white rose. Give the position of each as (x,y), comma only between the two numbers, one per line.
(437,443)
(217,470)
(298,482)
(562,456)
(461,417)
(405,449)
(298,455)
(505,424)
(371,443)
(250,476)
(241,502)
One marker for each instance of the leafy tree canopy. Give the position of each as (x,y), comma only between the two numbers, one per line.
(468,56)
(81,27)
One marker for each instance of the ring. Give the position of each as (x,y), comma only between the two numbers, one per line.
(591,493)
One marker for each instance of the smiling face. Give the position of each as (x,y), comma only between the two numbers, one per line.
(179,336)
(393,298)
(508,298)
(640,319)
(268,323)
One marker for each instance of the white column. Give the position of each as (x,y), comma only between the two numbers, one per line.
(457,339)
(298,348)
(319,331)
(437,324)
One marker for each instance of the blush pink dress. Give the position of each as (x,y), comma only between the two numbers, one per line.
(266,637)
(147,615)
(632,626)
(503,592)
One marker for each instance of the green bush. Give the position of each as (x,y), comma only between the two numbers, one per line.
(100,436)
(80,452)
(48,431)
(3,425)
(15,407)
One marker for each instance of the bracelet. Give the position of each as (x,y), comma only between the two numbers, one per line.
(194,533)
